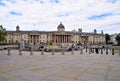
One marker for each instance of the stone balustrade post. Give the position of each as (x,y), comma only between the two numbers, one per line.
(113,51)
(81,51)
(63,52)
(20,52)
(119,52)
(9,51)
(31,50)
(106,51)
(89,50)
(101,51)
(42,51)
(72,51)
(53,51)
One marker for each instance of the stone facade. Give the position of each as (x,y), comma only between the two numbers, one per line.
(59,36)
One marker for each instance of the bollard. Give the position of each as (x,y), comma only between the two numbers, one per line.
(31,50)
(92,50)
(20,52)
(8,52)
(52,51)
(63,52)
(72,51)
(81,51)
(106,51)
(89,50)
(86,49)
(119,52)
(98,50)
(42,52)
(112,51)
(101,51)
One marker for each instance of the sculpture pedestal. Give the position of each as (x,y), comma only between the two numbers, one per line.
(116,49)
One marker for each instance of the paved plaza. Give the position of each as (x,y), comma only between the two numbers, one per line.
(58,67)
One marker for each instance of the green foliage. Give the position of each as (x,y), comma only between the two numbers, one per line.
(2,35)
(107,37)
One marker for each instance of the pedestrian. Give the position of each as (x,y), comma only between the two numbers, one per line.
(96,50)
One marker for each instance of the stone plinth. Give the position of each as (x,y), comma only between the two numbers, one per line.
(116,49)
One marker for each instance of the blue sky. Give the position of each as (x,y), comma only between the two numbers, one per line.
(45,15)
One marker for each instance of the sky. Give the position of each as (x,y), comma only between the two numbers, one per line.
(46,15)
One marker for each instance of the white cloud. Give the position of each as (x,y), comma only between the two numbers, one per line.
(74,14)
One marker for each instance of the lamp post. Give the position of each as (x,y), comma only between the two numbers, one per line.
(86,42)
(107,49)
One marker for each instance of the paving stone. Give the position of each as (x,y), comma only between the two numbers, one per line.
(17,79)
(58,67)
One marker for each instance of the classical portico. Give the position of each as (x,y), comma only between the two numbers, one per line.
(62,38)
(34,38)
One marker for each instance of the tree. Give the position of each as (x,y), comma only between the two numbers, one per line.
(107,38)
(118,39)
(2,35)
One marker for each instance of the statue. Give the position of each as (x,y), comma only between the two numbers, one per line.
(118,39)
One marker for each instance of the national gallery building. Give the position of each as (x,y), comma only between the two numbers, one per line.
(60,36)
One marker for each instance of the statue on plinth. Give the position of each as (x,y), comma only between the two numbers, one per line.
(118,39)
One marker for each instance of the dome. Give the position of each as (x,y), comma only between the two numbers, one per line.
(60,25)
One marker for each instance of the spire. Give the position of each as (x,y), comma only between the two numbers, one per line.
(60,22)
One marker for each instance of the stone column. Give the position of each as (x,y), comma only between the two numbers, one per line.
(29,39)
(58,39)
(36,38)
(54,38)
(61,38)
(32,38)
(65,38)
